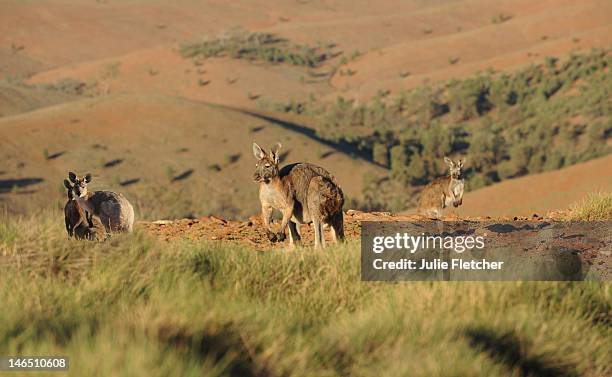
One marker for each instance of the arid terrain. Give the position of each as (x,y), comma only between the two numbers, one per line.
(102,87)
(161,100)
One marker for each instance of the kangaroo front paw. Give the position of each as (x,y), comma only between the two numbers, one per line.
(280,236)
(272,236)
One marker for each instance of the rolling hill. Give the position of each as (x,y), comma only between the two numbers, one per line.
(173,157)
(540,193)
(169,129)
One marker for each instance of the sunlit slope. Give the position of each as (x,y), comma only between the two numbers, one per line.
(540,193)
(175,157)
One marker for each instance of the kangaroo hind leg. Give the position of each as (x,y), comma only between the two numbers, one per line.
(318,234)
(294,234)
(337,228)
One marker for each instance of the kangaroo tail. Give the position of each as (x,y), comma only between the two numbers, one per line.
(330,198)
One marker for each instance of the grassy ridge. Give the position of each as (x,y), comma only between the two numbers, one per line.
(141,307)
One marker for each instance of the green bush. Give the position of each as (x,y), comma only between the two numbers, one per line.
(266,47)
(380,154)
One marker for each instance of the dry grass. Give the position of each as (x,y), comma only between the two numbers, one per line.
(594,207)
(136,306)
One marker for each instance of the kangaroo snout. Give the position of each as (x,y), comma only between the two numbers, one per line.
(259,178)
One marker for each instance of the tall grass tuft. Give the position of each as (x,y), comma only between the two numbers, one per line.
(594,207)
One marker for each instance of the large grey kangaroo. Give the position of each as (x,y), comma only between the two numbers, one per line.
(114,211)
(304,193)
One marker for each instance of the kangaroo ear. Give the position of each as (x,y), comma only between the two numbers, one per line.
(274,152)
(448,161)
(88,178)
(258,152)
(67,184)
(72,177)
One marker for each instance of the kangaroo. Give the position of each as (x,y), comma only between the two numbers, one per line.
(443,191)
(112,209)
(303,192)
(75,217)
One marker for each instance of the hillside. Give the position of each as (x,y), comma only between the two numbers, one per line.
(172,157)
(17,99)
(402,36)
(540,193)
(119,70)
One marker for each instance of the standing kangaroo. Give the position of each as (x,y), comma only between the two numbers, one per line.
(443,191)
(78,223)
(112,209)
(304,193)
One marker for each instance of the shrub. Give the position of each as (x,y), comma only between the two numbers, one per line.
(170,172)
(266,47)
(399,160)
(500,18)
(594,207)
(380,154)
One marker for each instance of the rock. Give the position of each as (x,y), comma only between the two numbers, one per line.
(162,222)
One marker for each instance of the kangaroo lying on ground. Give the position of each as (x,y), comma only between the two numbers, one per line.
(112,209)
(443,191)
(78,223)
(304,193)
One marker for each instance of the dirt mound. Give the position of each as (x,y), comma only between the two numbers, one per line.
(500,231)
(251,232)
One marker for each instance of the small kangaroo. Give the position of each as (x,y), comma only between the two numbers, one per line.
(112,209)
(75,217)
(303,192)
(443,191)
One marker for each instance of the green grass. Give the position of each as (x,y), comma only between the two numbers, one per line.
(595,207)
(136,306)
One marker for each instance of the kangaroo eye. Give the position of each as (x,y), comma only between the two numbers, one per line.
(267,165)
